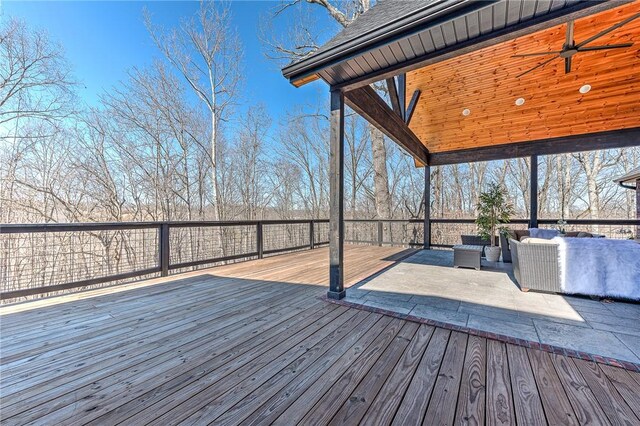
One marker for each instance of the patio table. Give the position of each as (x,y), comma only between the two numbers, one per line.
(467,256)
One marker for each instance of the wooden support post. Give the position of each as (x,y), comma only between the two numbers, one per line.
(380,233)
(164,249)
(533,194)
(427,208)
(336,197)
(259,240)
(312,235)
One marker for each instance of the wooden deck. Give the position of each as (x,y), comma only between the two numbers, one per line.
(252,343)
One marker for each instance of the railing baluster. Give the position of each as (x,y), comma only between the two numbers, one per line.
(380,231)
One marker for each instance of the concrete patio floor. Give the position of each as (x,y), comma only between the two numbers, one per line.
(426,285)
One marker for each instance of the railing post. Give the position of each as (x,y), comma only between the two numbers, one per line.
(380,233)
(164,249)
(533,193)
(312,236)
(259,240)
(426,243)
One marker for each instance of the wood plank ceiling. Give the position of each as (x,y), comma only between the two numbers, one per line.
(485,82)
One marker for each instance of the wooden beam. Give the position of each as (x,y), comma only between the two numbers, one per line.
(427,208)
(393,95)
(412,106)
(533,193)
(366,102)
(575,143)
(336,197)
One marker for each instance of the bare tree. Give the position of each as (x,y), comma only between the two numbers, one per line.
(35,81)
(303,141)
(206,52)
(250,162)
(301,41)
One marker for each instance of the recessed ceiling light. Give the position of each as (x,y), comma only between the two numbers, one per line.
(585,89)
(466,112)
(520,101)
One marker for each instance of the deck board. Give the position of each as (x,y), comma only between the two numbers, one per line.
(252,343)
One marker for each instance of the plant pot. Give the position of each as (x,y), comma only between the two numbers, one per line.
(492,253)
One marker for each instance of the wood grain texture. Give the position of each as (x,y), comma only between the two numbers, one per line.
(471,400)
(486,83)
(416,399)
(224,346)
(383,408)
(612,403)
(442,406)
(581,397)
(556,404)
(355,407)
(526,399)
(499,397)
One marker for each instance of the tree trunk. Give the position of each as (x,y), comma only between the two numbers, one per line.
(380,175)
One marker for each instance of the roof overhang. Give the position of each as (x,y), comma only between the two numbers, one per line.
(629,180)
(435,43)
(392,47)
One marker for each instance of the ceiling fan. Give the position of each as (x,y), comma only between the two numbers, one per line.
(570,48)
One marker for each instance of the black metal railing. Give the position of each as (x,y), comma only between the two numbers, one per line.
(48,258)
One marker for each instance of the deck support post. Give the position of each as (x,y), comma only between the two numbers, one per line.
(427,208)
(336,197)
(533,194)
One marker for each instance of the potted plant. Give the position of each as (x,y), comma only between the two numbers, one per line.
(561,227)
(493,210)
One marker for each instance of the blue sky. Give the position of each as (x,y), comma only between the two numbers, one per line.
(102,40)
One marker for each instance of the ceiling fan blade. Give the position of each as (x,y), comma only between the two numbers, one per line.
(524,55)
(541,64)
(608,30)
(567,65)
(605,47)
(569,36)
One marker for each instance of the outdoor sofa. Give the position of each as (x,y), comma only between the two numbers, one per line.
(521,234)
(535,265)
(535,261)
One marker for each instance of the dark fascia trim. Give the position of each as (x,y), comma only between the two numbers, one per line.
(418,22)
(625,186)
(401,27)
(575,143)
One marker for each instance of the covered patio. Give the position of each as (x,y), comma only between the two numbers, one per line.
(458,82)
(426,286)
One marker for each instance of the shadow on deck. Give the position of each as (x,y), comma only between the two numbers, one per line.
(253,343)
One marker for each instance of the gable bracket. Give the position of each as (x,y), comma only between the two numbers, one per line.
(367,103)
(412,106)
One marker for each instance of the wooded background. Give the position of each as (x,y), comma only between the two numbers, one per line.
(169,143)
